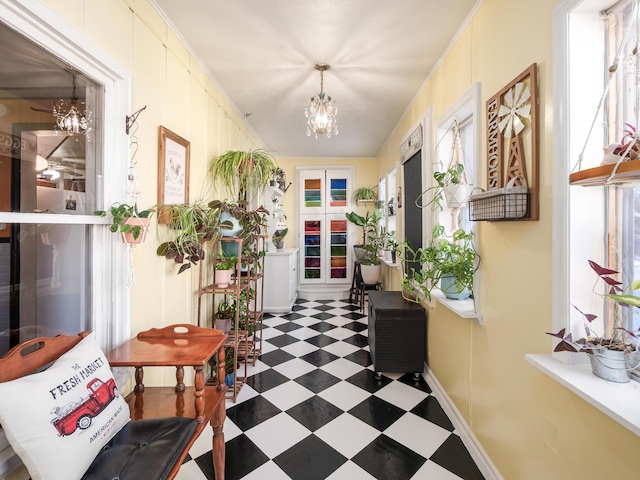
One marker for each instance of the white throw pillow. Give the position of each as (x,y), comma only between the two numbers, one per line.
(58,420)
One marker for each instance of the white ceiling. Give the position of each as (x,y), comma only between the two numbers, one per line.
(262,52)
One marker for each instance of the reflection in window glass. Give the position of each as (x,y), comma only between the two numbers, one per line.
(43,282)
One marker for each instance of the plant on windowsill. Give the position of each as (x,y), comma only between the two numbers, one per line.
(449,264)
(612,354)
(128,220)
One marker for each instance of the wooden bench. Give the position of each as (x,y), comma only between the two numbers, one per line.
(165,420)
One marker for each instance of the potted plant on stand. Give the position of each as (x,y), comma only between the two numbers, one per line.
(449,264)
(224,316)
(369,224)
(612,354)
(370,264)
(224,269)
(244,174)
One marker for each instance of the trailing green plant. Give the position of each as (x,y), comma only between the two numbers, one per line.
(120,212)
(244,174)
(365,194)
(454,175)
(226,262)
(442,256)
(225,310)
(193,224)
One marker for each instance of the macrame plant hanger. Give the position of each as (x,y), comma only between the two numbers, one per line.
(455,160)
(133,195)
(635,22)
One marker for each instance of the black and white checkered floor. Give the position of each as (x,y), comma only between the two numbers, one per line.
(312,409)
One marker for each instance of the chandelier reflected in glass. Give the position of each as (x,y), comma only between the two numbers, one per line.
(71,116)
(321,110)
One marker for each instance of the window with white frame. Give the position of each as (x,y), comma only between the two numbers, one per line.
(598,223)
(57,270)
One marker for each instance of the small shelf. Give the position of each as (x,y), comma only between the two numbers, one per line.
(628,172)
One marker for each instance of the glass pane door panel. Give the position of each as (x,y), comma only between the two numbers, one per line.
(313,247)
(338,192)
(313,193)
(338,238)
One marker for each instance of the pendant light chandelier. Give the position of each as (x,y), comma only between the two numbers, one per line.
(71,117)
(321,110)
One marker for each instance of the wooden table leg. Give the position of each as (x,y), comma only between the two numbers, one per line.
(199,393)
(180,379)
(218,452)
(139,376)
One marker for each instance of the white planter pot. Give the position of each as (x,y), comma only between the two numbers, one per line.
(370,274)
(456,196)
(222,278)
(387,255)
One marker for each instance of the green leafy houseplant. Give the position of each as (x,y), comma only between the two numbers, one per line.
(441,258)
(365,194)
(193,224)
(620,342)
(278,237)
(244,174)
(226,262)
(120,213)
(445,179)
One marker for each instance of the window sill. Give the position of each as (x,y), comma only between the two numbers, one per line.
(462,308)
(617,400)
(390,264)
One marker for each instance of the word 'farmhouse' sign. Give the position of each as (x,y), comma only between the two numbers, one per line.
(512,137)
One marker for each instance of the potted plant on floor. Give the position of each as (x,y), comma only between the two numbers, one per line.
(449,264)
(611,354)
(128,220)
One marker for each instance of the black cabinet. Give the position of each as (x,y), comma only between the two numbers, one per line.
(397,333)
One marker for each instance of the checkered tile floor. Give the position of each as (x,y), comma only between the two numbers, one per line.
(312,409)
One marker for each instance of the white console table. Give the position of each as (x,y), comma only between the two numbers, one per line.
(280,280)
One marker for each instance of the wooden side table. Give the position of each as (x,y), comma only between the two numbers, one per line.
(179,346)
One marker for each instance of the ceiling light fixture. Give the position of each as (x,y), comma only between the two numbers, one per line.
(71,117)
(321,110)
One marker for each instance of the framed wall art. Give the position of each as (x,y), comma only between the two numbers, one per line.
(173,169)
(512,138)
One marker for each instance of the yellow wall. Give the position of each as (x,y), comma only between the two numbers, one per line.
(531,427)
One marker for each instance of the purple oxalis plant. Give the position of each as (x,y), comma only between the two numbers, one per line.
(620,334)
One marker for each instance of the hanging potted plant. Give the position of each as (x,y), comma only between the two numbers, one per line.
(129,221)
(193,225)
(611,355)
(447,264)
(244,174)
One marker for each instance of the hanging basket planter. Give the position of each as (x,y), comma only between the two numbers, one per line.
(456,195)
(134,222)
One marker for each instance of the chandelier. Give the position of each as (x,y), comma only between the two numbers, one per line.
(71,117)
(321,110)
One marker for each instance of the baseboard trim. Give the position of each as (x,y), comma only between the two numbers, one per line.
(476,451)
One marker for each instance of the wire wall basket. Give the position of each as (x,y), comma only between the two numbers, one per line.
(509,203)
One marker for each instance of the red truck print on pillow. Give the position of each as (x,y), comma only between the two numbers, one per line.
(80,414)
